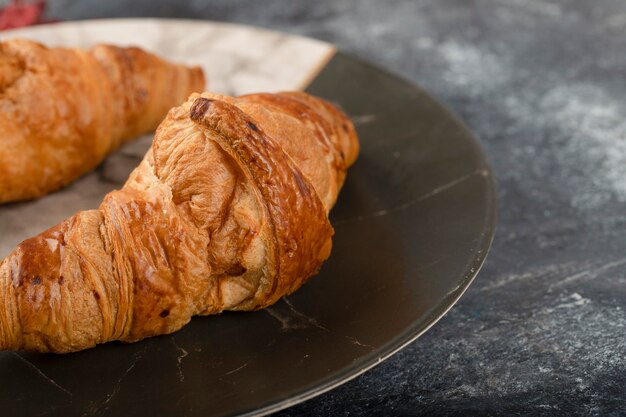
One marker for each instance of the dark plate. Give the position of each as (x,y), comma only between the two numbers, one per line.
(413,225)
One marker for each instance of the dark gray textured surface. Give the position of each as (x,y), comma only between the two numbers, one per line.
(541,83)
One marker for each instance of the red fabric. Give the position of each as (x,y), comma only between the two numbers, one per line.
(17,14)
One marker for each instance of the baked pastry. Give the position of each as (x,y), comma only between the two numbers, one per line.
(227,211)
(63,110)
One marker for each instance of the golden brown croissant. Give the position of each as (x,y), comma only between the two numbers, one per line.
(227,211)
(63,110)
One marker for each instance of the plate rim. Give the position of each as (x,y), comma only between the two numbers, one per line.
(474,266)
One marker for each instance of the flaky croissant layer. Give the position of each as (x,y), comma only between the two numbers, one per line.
(63,110)
(227,211)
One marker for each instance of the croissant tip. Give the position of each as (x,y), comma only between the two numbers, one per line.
(199,108)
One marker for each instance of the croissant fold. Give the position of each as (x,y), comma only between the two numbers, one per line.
(63,110)
(227,211)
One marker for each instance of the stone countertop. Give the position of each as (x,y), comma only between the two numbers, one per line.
(541,83)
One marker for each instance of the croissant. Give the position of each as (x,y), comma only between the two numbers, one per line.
(227,211)
(63,110)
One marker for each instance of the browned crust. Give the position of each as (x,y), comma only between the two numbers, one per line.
(217,216)
(300,225)
(63,110)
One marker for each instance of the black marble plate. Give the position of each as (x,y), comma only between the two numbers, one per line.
(413,226)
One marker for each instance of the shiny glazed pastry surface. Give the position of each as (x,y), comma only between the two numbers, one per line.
(63,110)
(227,211)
